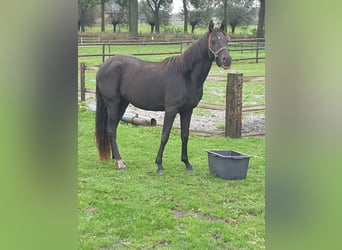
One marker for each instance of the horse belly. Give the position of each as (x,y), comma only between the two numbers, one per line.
(147,103)
(143,93)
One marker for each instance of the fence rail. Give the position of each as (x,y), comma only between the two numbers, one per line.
(233,107)
(236,45)
(140,39)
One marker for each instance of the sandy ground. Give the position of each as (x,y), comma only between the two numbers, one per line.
(205,121)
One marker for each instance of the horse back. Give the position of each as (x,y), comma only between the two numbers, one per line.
(147,85)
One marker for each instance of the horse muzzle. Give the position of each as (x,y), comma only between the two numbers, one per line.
(224,61)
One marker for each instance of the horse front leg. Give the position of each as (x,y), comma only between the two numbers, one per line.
(185,124)
(168,121)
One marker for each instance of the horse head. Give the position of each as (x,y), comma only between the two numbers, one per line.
(217,45)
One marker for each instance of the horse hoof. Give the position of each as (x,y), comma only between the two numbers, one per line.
(190,169)
(122,169)
(121,165)
(161,171)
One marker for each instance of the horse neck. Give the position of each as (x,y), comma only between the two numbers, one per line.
(197,52)
(197,61)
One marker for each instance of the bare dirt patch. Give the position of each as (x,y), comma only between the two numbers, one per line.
(208,122)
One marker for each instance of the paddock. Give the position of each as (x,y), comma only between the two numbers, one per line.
(210,116)
(180,210)
(229,119)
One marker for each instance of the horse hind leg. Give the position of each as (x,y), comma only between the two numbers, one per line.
(116,109)
(185,124)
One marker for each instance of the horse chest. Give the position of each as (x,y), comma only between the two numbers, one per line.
(193,98)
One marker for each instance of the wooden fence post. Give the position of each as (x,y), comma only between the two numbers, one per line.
(82,80)
(103,52)
(234,105)
(257,51)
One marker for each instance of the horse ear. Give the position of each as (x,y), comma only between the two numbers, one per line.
(223,26)
(211,25)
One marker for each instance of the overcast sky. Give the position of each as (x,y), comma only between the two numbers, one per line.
(177,5)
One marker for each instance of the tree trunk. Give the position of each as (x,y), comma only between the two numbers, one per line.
(233,25)
(152,26)
(185,16)
(225,12)
(114,27)
(102,16)
(82,22)
(193,28)
(261,21)
(157,21)
(133,17)
(193,24)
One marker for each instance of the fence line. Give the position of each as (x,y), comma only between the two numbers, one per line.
(146,39)
(233,107)
(256,44)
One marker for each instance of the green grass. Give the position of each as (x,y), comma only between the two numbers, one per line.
(139,209)
(138,49)
(143,29)
(252,94)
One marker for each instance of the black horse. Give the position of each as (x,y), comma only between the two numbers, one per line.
(174,85)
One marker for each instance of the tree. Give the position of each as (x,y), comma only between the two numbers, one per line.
(194,17)
(133,17)
(261,19)
(121,11)
(238,12)
(147,15)
(117,13)
(86,12)
(225,12)
(185,10)
(102,2)
(193,13)
(118,17)
(155,6)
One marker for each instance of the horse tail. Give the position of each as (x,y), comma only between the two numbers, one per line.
(101,134)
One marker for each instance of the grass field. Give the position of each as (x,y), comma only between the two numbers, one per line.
(143,28)
(139,209)
(154,48)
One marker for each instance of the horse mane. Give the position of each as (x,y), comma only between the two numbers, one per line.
(185,61)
